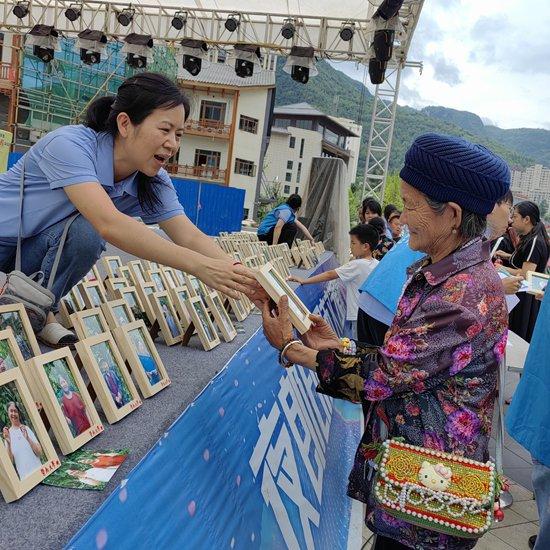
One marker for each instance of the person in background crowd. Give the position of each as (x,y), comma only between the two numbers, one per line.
(281,224)
(394,223)
(454,307)
(391,211)
(370,208)
(385,243)
(363,239)
(531,254)
(528,419)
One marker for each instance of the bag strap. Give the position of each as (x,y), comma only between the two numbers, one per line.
(68,223)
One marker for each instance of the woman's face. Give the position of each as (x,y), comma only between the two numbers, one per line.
(395,226)
(13,414)
(520,224)
(428,229)
(497,220)
(152,143)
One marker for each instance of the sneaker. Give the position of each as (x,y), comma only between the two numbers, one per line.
(55,335)
(532,541)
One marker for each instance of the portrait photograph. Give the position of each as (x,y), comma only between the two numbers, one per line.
(65,398)
(167,318)
(179,296)
(156,277)
(134,302)
(113,284)
(109,376)
(203,324)
(15,316)
(10,354)
(26,451)
(221,316)
(92,294)
(117,313)
(169,277)
(144,291)
(110,265)
(89,322)
(137,347)
(137,271)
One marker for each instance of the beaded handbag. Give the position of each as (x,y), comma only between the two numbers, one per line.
(436,490)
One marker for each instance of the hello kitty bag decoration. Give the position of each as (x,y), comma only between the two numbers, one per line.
(436,490)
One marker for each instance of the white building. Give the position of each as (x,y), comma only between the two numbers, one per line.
(226,134)
(300,133)
(534,182)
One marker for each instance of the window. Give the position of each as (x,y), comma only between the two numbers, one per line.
(213,111)
(305,124)
(245,168)
(292,142)
(282,122)
(211,159)
(299,172)
(288,176)
(302,148)
(289,164)
(287,190)
(248,124)
(296,190)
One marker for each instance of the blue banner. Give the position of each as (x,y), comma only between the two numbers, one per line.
(258,460)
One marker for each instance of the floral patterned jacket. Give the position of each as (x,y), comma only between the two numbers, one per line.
(434,380)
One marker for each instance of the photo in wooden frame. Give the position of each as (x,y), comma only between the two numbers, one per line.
(117,313)
(113,284)
(131,297)
(276,286)
(196,287)
(10,354)
(59,386)
(170,279)
(92,293)
(167,318)
(110,265)
(180,276)
(179,296)
(90,322)
(92,275)
(125,273)
(15,316)
(155,275)
(238,308)
(137,347)
(69,304)
(203,324)
(221,316)
(144,290)
(109,376)
(27,454)
(537,282)
(138,272)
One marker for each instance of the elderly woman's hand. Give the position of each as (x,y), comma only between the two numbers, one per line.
(320,336)
(277,325)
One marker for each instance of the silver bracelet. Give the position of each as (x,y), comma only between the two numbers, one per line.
(282,362)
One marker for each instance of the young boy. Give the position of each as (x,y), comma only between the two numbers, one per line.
(363,240)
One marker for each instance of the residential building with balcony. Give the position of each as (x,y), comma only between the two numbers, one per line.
(301,133)
(227,131)
(533,182)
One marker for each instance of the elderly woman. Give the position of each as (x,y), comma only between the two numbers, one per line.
(433,382)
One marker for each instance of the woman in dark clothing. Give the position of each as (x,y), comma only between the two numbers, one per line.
(531,254)
(385,243)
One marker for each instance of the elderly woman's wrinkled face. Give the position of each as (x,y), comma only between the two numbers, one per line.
(427,228)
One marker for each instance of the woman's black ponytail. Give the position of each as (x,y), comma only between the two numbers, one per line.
(529,208)
(138,96)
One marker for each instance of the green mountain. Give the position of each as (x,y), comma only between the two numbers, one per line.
(531,142)
(337,94)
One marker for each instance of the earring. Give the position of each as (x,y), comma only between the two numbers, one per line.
(454,231)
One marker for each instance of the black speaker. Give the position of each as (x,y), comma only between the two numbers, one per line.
(377,70)
(383,44)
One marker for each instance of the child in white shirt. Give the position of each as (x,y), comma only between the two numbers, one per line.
(363,240)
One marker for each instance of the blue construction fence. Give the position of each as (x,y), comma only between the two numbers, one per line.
(212,208)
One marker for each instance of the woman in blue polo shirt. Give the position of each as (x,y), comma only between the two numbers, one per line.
(109,170)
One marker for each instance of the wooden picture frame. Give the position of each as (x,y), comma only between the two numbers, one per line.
(137,271)
(125,273)
(196,287)
(180,276)
(155,276)
(167,318)
(62,392)
(296,255)
(538,282)
(15,316)
(240,311)
(69,304)
(113,284)
(10,354)
(276,286)
(131,296)
(144,290)
(109,376)
(90,322)
(92,293)
(221,316)
(170,279)
(137,347)
(203,324)
(110,265)
(27,469)
(179,296)
(117,313)
(92,275)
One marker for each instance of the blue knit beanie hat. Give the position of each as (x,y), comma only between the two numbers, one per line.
(451,169)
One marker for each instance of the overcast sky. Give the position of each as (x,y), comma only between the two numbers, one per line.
(490,57)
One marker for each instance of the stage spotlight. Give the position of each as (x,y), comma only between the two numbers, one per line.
(194,51)
(232,22)
(90,45)
(72,13)
(125,16)
(179,20)
(137,48)
(246,56)
(301,63)
(346,32)
(43,39)
(21,9)
(288,29)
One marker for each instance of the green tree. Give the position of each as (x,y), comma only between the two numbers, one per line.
(392,192)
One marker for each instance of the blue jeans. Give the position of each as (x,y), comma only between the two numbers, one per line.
(541,485)
(350,329)
(82,249)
